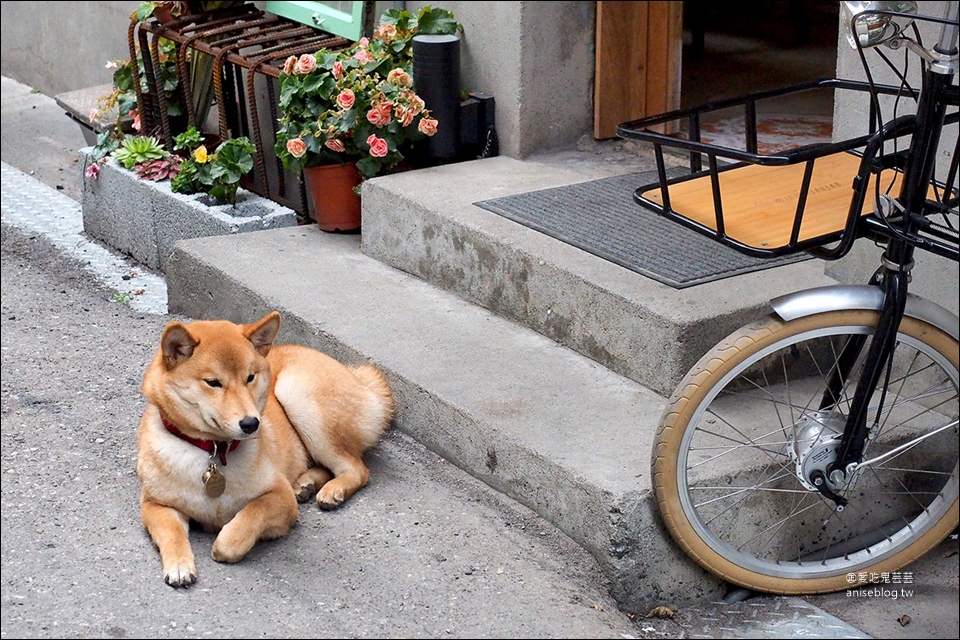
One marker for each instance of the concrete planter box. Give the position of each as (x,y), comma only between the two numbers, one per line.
(145,220)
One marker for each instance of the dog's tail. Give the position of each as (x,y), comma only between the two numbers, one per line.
(373,379)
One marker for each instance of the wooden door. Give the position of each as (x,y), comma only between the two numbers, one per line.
(638,49)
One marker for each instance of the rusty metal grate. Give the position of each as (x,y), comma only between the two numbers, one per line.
(248,47)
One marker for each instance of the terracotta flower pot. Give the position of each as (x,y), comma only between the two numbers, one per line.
(330,187)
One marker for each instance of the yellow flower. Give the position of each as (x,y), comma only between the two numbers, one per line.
(200,154)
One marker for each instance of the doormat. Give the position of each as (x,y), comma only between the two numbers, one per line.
(602,218)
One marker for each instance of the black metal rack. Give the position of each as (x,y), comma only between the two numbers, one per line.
(854,166)
(248,47)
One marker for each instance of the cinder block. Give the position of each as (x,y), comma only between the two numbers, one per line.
(145,219)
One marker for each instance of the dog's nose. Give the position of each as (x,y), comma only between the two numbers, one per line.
(249,424)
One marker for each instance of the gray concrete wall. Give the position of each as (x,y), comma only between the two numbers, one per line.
(934,278)
(58,46)
(535,58)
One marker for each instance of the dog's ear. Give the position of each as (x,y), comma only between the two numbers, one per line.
(264,332)
(176,344)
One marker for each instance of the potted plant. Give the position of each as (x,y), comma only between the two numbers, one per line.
(354,112)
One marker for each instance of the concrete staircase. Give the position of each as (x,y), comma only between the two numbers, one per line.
(534,366)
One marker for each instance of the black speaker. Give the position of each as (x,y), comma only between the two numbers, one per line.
(436,79)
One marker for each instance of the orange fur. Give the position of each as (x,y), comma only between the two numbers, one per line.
(310,419)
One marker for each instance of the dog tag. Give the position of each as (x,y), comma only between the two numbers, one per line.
(213,481)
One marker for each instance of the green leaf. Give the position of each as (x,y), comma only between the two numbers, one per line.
(288,92)
(205,174)
(189,139)
(326,58)
(126,104)
(314,81)
(220,170)
(369,166)
(186,181)
(399,17)
(123,77)
(145,10)
(245,164)
(434,21)
(350,119)
(106,144)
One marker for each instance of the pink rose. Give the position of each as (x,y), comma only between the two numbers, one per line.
(346,99)
(404,115)
(306,64)
(400,78)
(378,146)
(364,56)
(296,147)
(427,126)
(334,144)
(337,69)
(379,116)
(417,104)
(290,65)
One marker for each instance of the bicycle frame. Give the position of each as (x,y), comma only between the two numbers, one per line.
(893,276)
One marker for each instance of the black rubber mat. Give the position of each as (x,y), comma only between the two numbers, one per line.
(602,218)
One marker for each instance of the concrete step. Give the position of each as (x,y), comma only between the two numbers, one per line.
(552,429)
(425,223)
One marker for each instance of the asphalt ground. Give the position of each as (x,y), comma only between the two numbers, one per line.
(424,551)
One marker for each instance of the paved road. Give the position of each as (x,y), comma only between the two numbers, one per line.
(424,551)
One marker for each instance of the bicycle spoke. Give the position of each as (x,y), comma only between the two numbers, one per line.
(749,437)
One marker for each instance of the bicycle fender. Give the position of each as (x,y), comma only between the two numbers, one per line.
(851,297)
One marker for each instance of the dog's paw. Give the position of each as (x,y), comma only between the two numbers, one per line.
(227,553)
(329,498)
(181,574)
(234,541)
(304,491)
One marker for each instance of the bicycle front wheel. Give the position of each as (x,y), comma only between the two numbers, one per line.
(744,429)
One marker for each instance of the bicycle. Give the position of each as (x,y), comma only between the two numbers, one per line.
(820,442)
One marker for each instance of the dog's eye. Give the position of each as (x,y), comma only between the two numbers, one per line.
(250,378)
(213,382)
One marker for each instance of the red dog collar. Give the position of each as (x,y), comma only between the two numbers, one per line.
(210,446)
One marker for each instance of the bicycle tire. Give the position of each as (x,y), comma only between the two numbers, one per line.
(717,502)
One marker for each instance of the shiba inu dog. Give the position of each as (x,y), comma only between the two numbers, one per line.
(238,430)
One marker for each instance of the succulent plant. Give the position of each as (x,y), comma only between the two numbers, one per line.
(137,149)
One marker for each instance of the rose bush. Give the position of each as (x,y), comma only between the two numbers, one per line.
(358,104)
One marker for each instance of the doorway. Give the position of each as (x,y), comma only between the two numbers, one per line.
(728,49)
(737,47)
